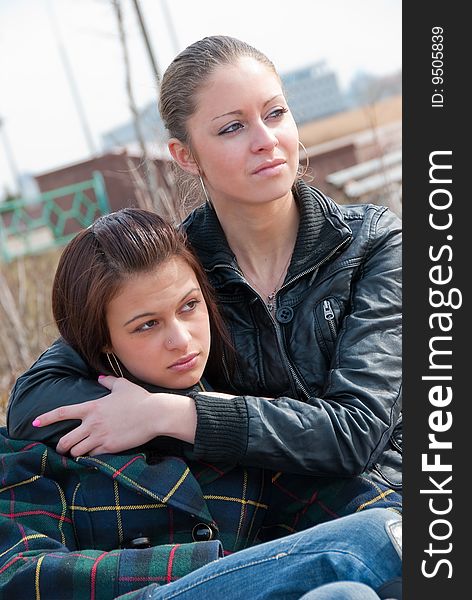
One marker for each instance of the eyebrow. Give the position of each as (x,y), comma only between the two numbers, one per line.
(152,314)
(240,112)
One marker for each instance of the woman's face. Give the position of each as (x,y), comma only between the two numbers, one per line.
(243,135)
(159,327)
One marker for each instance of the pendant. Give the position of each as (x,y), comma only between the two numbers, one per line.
(270,302)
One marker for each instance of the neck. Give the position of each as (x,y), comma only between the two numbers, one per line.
(262,236)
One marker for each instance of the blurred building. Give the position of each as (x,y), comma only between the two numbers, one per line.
(69,198)
(313,92)
(128,180)
(365,88)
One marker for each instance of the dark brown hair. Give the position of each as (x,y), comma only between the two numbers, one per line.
(94,265)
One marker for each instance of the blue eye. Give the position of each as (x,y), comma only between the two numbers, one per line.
(278,112)
(231,128)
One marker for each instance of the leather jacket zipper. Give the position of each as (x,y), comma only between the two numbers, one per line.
(225,368)
(329,316)
(288,363)
(338,247)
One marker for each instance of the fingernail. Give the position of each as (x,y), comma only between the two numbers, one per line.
(36,423)
(101,376)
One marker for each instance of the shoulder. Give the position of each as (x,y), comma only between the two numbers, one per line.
(369,221)
(364,214)
(316,206)
(60,354)
(195,219)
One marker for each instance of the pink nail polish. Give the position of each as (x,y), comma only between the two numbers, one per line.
(101,376)
(36,423)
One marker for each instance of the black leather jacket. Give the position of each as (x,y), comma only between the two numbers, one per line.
(331,358)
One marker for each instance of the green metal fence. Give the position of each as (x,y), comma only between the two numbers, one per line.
(52,219)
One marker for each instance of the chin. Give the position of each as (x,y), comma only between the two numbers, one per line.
(184,381)
(276,191)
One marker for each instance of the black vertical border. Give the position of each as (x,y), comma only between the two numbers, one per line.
(426,129)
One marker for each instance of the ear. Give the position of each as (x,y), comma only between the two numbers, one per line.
(183,156)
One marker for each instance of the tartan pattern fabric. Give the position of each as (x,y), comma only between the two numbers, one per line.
(297,502)
(66,524)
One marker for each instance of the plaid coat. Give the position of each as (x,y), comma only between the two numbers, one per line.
(73,529)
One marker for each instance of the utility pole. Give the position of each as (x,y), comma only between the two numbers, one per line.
(70,78)
(170,27)
(147,42)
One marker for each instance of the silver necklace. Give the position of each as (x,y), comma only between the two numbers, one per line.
(270,298)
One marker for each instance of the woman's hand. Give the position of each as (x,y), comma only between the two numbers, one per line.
(127,417)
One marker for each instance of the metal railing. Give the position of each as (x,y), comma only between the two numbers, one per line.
(51,219)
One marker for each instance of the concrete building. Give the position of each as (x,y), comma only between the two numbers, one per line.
(313,93)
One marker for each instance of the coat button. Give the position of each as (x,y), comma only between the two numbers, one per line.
(202,533)
(284,314)
(140,542)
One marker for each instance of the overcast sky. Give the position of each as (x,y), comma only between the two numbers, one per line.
(41,125)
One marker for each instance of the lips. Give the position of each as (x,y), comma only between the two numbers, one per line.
(185,362)
(268,165)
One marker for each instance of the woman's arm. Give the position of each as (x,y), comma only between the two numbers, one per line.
(128,417)
(72,406)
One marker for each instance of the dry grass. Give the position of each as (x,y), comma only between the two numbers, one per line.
(26,324)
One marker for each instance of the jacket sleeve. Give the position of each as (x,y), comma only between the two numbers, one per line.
(342,431)
(33,565)
(57,378)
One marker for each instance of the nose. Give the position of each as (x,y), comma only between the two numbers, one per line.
(177,336)
(264,139)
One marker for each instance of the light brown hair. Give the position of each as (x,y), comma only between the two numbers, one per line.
(188,73)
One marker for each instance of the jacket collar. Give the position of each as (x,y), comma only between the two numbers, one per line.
(322,229)
(170,481)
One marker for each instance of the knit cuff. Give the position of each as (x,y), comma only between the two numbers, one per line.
(222,428)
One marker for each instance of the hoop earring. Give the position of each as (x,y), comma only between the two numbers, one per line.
(302,171)
(114,364)
(205,193)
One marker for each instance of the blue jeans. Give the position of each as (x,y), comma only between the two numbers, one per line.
(342,590)
(355,548)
